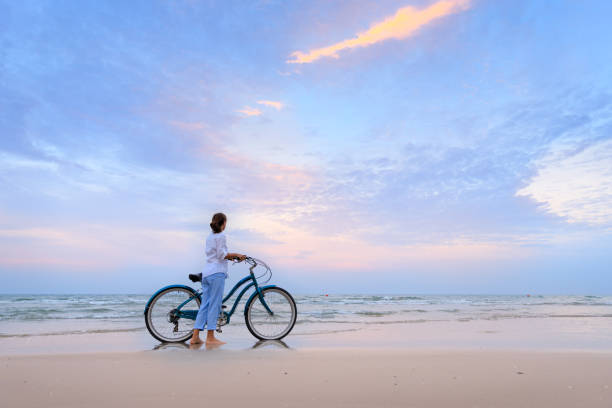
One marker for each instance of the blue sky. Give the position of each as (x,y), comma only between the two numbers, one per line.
(392,146)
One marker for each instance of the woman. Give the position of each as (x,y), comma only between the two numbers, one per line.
(213,281)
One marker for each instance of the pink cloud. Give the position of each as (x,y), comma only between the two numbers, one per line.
(404,23)
(273,104)
(248,111)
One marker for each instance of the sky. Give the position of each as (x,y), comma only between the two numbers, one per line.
(415,146)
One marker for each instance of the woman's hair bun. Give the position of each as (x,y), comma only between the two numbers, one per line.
(217,222)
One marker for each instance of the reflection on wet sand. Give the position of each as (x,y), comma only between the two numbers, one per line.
(259,344)
(168,346)
(270,344)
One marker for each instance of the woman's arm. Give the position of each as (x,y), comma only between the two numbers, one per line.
(224,253)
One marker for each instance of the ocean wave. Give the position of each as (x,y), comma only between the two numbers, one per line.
(310,333)
(403,321)
(305,321)
(358,299)
(373,313)
(404,298)
(367,322)
(340,309)
(321,314)
(69,332)
(580,315)
(55,315)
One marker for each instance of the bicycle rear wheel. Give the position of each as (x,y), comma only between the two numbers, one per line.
(275,326)
(164,321)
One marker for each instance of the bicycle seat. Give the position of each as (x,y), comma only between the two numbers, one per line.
(195,277)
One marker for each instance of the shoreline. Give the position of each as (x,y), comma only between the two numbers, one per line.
(563,334)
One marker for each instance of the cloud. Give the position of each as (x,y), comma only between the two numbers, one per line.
(93,246)
(575,183)
(404,23)
(248,111)
(189,126)
(273,104)
(10,161)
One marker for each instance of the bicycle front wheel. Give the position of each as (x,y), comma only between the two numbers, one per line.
(163,319)
(271,326)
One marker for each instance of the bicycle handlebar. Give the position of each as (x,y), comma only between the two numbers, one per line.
(237,260)
(248,260)
(254,263)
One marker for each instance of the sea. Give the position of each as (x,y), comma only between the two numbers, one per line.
(580,321)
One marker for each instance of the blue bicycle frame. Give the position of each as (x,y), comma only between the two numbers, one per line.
(191,314)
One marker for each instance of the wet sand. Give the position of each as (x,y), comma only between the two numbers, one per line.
(566,334)
(277,377)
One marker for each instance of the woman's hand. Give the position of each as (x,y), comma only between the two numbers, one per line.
(235,257)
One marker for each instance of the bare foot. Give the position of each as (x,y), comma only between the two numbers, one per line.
(212,346)
(196,341)
(214,342)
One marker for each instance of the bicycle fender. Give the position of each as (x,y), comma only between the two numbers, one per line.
(255,294)
(165,288)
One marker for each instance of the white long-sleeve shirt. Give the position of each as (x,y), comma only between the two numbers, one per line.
(216,250)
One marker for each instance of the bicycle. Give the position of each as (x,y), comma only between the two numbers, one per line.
(269,313)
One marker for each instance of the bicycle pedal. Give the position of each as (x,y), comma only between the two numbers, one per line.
(219,331)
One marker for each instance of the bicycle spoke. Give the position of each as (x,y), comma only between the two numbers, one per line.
(277,324)
(163,319)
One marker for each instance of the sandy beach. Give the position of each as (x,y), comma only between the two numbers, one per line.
(315,377)
(344,352)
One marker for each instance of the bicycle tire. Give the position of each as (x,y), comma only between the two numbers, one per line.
(151,307)
(249,311)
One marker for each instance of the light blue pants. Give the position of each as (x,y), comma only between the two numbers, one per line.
(212,296)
